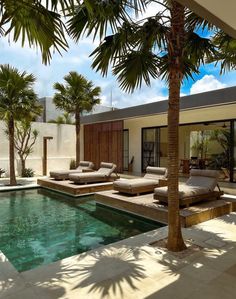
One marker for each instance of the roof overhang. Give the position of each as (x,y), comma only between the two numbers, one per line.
(220,97)
(220,13)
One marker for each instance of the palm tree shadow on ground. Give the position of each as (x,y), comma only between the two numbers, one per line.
(118,267)
(119,270)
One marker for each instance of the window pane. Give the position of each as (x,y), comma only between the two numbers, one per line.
(125,149)
(150,148)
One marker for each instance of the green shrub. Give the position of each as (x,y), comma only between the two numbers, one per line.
(2,171)
(72,164)
(27,173)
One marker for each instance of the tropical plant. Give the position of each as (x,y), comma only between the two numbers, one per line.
(165,45)
(17,101)
(75,96)
(72,164)
(27,173)
(200,144)
(2,171)
(65,118)
(223,138)
(24,140)
(37,22)
(226,54)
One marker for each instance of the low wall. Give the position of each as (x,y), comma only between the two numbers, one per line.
(60,150)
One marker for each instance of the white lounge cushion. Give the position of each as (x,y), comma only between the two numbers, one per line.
(106,168)
(134,183)
(85,175)
(184,191)
(65,172)
(103,173)
(85,164)
(155,173)
(203,178)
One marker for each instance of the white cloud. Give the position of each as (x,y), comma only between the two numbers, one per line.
(152,9)
(207,83)
(112,94)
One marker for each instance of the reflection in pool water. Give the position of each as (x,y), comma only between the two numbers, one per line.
(38,226)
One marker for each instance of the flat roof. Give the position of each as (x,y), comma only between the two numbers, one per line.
(220,13)
(213,98)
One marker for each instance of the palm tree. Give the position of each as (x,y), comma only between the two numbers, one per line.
(75,96)
(17,101)
(37,22)
(165,45)
(65,118)
(226,55)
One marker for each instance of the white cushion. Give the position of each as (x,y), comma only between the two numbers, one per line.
(184,191)
(134,183)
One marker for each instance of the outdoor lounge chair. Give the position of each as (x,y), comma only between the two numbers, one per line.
(106,173)
(200,186)
(154,177)
(84,166)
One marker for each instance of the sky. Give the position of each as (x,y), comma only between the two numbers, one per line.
(77,59)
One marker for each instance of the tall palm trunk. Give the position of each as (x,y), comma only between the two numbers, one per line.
(77,128)
(11,151)
(176,39)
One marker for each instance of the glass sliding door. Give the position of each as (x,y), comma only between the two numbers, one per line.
(150,147)
(125,149)
(163,148)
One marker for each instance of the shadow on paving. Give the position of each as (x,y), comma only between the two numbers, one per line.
(116,271)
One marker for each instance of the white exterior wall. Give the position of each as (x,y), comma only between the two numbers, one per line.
(60,150)
(135,126)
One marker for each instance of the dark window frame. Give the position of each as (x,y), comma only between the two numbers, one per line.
(232,141)
(125,130)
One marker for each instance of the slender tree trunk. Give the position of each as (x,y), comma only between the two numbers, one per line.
(11,152)
(176,38)
(22,160)
(77,128)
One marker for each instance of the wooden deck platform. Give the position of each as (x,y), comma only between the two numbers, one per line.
(146,206)
(70,188)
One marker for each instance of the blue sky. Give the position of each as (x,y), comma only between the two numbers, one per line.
(77,59)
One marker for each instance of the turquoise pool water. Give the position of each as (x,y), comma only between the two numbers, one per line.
(38,226)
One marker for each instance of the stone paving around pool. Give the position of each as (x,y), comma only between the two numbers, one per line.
(134,269)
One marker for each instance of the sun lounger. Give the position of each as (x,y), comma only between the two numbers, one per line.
(106,172)
(154,177)
(84,166)
(200,186)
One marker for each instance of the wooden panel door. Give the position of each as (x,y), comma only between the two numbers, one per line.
(103,142)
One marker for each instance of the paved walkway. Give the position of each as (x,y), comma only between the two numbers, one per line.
(133,269)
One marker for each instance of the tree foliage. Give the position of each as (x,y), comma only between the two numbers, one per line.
(38,23)
(137,49)
(76,95)
(140,49)
(65,118)
(17,101)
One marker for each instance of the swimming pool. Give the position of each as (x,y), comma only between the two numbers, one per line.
(38,226)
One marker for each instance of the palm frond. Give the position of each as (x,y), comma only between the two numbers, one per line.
(135,68)
(187,68)
(30,21)
(198,49)
(113,47)
(66,6)
(152,34)
(99,17)
(195,22)
(76,94)
(17,97)
(226,54)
